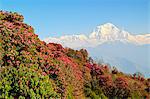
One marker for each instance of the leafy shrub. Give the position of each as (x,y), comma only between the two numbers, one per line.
(11,16)
(93,90)
(31,68)
(25,82)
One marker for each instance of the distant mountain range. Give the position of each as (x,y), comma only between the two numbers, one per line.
(30,68)
(129,53)
(103,33)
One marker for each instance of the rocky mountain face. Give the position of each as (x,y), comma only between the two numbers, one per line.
(30,68)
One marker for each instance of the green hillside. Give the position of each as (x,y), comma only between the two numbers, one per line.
(32,69)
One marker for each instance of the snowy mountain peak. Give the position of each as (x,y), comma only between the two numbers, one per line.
(108,31)
(107,25)
(101,34)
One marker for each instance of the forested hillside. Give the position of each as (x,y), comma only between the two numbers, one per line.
(32,69)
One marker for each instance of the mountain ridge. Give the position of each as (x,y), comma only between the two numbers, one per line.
(117,50)
(32,69)
(114,38)
(103,33)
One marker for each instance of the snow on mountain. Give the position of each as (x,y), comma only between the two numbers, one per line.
(129,53)
(101,34)
(72,41)
(139,39)
(108,32)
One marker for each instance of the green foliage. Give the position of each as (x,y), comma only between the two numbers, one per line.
(93,90)
(25,82)
(136,95)
(70,92)
(32,69)
(80,55)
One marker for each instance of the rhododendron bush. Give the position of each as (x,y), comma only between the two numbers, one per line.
(30,69)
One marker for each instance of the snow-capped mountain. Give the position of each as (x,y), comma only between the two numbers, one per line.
(129,53)
(101,34)
(108,32)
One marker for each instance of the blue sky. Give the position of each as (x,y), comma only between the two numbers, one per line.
(62,17)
